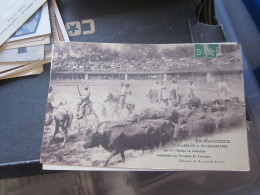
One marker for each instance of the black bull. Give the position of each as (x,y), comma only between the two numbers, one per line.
(135,136)
(197,128)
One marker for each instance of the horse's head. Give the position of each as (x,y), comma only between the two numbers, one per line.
(150,95)
(109,98)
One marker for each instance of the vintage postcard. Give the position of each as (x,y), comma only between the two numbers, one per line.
(145,107)
(29,72)
(22,69)
(14,14)
(38,24)
(10,65)
(58,28)
(22,54)
(28,42)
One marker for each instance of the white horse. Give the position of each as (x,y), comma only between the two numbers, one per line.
(93,113)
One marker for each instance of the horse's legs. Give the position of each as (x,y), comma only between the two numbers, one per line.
(78,125)
(110,157)
(78,108)
(64,130)
(130,109)
(123,155)
(57,125)
(96,117)
(112,115)
(82,110)
(121,103)
(69,120)
(117,114)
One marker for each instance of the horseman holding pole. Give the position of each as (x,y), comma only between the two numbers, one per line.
(85,103)
(121,93)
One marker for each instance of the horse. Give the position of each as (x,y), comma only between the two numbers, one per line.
(63,119)
(173,99)
(114,100)
(153,95)
(93,113)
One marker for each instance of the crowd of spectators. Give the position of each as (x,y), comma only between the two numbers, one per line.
(101,61)
(117,65)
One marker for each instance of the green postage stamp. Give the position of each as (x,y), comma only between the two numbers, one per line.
(207,50)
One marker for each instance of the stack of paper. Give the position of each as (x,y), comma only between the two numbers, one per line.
(25,37)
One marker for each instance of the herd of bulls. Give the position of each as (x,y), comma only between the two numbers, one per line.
(153,128)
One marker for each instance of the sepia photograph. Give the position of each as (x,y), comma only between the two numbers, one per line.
(111,104)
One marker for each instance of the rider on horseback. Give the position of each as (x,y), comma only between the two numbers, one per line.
(85,102)
(191,93)
(121,93)
(155,92)
(164,96)
(223,89)
(174,90)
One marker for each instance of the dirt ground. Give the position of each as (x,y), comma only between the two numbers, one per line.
(73,153)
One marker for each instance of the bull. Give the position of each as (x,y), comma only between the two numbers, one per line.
(161,130)
(164,113)
(197,128)
(230,121)
(108,125)
(135,136)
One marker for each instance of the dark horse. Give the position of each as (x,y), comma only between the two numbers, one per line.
(153,95)
(63,119)
(114,100)
(174,100)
